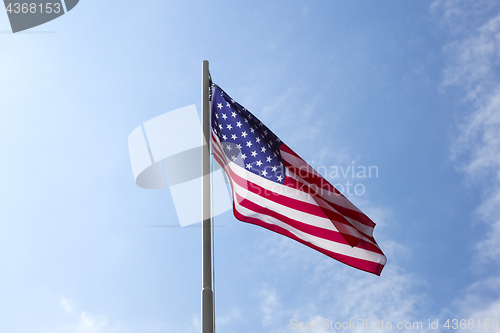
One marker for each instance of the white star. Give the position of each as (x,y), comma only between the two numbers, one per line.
(246,120)
(265,132)
(252,129)
(224,137)
(219,105)
(268,158)
(249,166)
(244,134)
(254,153)
(233,158)
(220,126)
(274,168)
(224,116)
(238,146)
(249,143)
(232,101)
(227,104)
(238,124)
(233,114)
(264,173)
(281,164)
(259,163)
(243,156)
(233,136)
(258,140)
(263,149)
(229,127)
(275,155)
(280,178)
(228,147)
(278,140)
(216,116)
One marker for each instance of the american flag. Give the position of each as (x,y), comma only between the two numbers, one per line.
(276,189)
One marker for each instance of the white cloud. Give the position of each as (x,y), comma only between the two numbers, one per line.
(473,59)
(195,326)
(232,316)
(346,296)
(480,302)
(480,139)
(460,16)
(92,324)
(474,67)
(66,304)
(489,247)
(330,290)
(270,306)
(85,322)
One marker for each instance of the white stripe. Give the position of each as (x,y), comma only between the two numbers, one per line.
(293,193)
(294,214)
(330,196)
(317,241)
(326,244)
(272,186)
(216,151)
(367,230)
(298,215)
(296,194)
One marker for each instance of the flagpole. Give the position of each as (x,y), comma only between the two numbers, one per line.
(207,304)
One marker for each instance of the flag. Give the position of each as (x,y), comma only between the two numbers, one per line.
(276,189)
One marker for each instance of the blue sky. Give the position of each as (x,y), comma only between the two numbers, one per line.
(411,87)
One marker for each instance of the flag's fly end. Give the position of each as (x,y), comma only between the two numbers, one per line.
(276,189)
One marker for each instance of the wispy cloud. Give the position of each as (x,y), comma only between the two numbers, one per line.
(328,290)
(66,304)
(85,322)
(232,316)
(473,60)
(460,16)
(193,327)
(489,247)
(92,324)
(270,306)
(474,67)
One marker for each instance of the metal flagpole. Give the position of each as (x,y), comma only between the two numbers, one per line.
(207,304)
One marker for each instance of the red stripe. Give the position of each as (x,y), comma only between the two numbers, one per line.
(322,183)
(302,206)
(330,235)
(364,265)
(295,184)
(312,178)
(313,209)
(353,214)
(292,203)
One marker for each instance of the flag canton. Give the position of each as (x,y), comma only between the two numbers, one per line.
(245,140)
